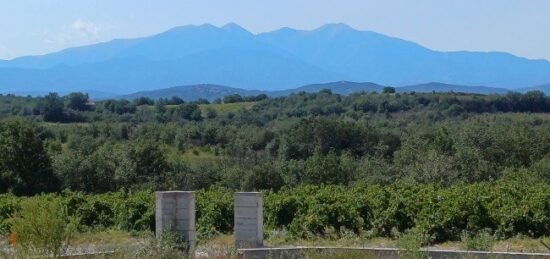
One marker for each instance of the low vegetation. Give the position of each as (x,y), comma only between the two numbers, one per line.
(41,226)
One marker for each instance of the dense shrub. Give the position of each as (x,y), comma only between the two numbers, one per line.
(41,227)
(214,212)
(8,205)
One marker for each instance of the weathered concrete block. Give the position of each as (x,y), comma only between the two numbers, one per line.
(248,219)
(175,211)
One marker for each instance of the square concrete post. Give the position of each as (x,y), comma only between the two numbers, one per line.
(175,211)
(249,231)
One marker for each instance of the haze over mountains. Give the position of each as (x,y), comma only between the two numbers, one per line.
(272,61)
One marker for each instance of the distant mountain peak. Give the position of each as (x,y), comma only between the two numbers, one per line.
(336,27)
(235,28)
(330,28)
(188,28)
(232,26)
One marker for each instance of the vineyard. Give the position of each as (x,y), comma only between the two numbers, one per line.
(505,209)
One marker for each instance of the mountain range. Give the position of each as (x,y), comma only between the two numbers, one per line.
(273,61)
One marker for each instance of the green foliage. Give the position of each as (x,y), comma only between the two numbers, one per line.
(444,163)
(261,177)
(9,204)
(541,169)
(482,241)
(77,172)
(51,108)
(323,135)
(146,162)
(214,212)
(326,169)
(388,90)
(25,167)
(143,101)
(411,242)
(41,227)
(272,142)
(116,210)
(189,111)
(233,98)
(118,106)
(78,101)
(211,113)
(505,208)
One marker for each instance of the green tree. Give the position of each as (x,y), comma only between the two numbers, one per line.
(143,101)
(78,101)
(262,177)
(189,111)
(25,168)
(211,113)
(388,90)
(233,98)
(147,163)
(325,169)
(51,108)
(323,135)
(111,165)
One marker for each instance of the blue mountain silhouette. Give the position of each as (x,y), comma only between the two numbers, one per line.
(278,60)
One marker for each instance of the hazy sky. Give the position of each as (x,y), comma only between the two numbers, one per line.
(521,27)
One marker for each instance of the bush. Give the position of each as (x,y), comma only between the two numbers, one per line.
(411,242)
(482,241)
(135,212)
(9,204)
(214,212)
(41,227)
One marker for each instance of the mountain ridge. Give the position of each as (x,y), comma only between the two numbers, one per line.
(282,59)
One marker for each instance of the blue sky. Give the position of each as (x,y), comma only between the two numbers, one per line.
(520,27)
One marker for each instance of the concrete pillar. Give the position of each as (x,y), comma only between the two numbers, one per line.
(249,221)
(175,211)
